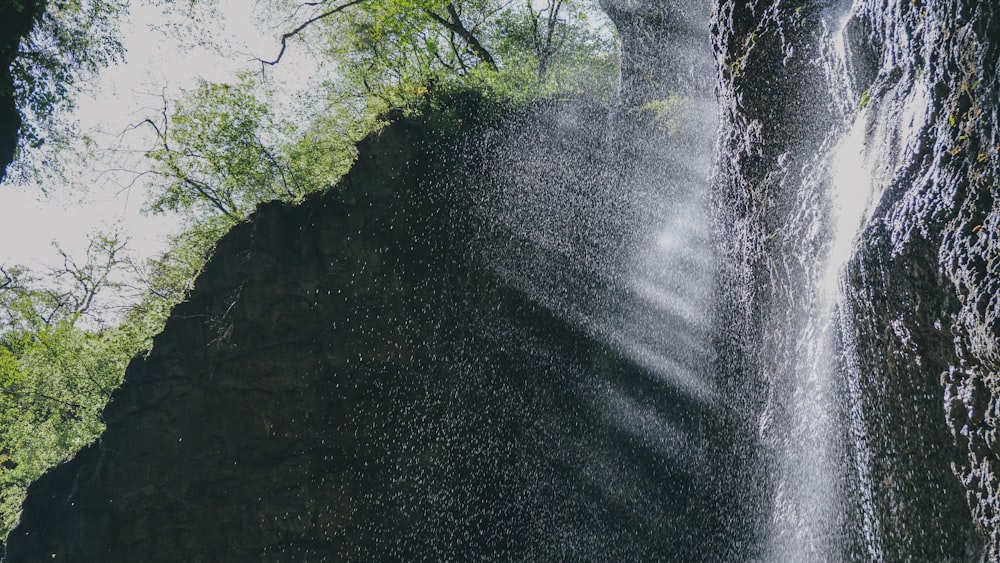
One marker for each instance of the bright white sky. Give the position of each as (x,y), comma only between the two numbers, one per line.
(126,94)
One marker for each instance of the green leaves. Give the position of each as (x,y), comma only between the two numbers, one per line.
(53,385)
(388,49)
(669,113)
(222,151)
(58,364)
(70,42)
(9,374)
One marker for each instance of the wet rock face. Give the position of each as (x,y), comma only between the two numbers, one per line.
(350,381)
(928,281)
(922,288)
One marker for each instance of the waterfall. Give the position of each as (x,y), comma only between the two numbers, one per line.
(823,453)
(854,199)
(803,421)
(809,499)
(858,187)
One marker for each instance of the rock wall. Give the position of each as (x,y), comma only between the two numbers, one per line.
(351,379)
(664,51)
(925,287)
(920,332)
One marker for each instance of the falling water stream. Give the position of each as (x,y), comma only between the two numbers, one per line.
(636,266)
(809,493)
(809,499)
(823,459)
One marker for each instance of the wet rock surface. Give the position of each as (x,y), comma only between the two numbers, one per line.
(926,285)
(770,231)
(664,49)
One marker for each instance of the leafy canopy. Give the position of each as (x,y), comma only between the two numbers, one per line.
(60,359)
(387,48)
(220,149)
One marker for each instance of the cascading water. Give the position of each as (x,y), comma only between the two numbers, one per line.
(796,222)
(859,182)
(810,497)
(853,201)
(834,492)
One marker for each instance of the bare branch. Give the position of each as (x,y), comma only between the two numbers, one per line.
(8,280)
(276,165)
(286,36)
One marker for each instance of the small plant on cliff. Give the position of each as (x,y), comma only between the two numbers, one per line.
(865,99)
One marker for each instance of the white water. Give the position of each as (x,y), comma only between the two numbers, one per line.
(812,496)
(898,126)
(809,495)
(809,503)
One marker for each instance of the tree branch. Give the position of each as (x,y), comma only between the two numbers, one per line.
(8,280)
(286,36)
(455,25)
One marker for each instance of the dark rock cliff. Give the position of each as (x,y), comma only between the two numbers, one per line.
(925,287)
(664,50)
(352,379)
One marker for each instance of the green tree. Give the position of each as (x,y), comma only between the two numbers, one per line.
(388,49)
(48,48)
(221,151)
(165,281)
(67,43)
(59,362)
(71,41)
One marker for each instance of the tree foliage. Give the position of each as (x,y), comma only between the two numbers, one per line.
(54,383)
(68,42)
(221,151)
(71,40)
(60,358)
(387,48)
